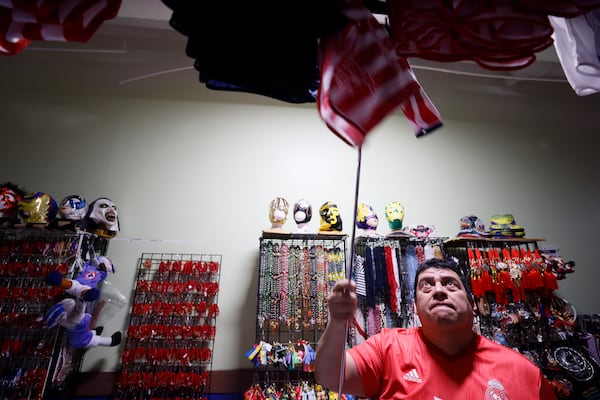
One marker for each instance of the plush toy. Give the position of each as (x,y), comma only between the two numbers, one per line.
(70,313)
(84,286)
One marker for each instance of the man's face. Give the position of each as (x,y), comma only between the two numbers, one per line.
(441,298)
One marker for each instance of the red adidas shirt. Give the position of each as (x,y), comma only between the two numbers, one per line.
(399,364)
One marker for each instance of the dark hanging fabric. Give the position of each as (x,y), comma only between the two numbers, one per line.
(263,47)
(381,278)
(370,278)
(411,271)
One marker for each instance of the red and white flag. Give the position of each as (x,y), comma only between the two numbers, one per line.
(363,80)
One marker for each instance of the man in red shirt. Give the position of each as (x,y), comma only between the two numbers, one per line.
(441,360)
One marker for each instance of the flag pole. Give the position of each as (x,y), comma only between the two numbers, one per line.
(348,272)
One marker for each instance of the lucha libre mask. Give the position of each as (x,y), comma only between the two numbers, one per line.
(394,211)
(103,212)
(366,218)
(73,208)
(278,211)
(331,220)
(37,208)
(302,212)
(10,195)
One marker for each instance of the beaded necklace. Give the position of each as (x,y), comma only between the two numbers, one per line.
(321,286)
(293,285)
(275,288)
(307,266)
(262,312)
(314,287)
(265,283)
(284,297)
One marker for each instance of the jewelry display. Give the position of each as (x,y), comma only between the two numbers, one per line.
(295,274)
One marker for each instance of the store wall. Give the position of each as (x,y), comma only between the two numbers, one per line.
(197,177)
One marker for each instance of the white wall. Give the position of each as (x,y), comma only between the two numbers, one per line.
(198,178)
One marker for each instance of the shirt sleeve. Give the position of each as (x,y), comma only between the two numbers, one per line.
(546,391)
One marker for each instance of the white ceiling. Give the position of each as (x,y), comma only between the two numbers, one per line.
(144,9)
(138,54)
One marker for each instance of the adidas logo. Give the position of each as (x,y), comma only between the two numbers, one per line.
(412,376)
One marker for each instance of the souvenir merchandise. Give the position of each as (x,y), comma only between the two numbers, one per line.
(367,220)
(394,212)
(101,219)
(71,208)
(504,226)
(10,195)
(331,220)
(289,72)
(168,349)
(515,294)
(37,210)
(471,226)
(42,359)
(294,278)
(292,390)
(88,282)
(558,265)
(70,314)
(302,216)
(384,271)
(278,211)
(420,231)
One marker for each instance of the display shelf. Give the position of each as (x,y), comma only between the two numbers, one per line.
(515,290)
(295,272)
(35,362)
(169,342)
(384,271)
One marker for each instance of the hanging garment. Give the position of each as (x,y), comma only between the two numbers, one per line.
(575,45)
(502,35)
(264,47)
(363,81)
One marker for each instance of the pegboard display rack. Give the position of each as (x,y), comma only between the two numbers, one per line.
(36,362)
(295,272)
(169,342)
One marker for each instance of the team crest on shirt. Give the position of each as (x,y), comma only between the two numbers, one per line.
(495,391)
(90,275)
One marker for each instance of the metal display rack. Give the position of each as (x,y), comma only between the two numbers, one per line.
(296,272)
(36,362)
(521,308)
(169,342)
